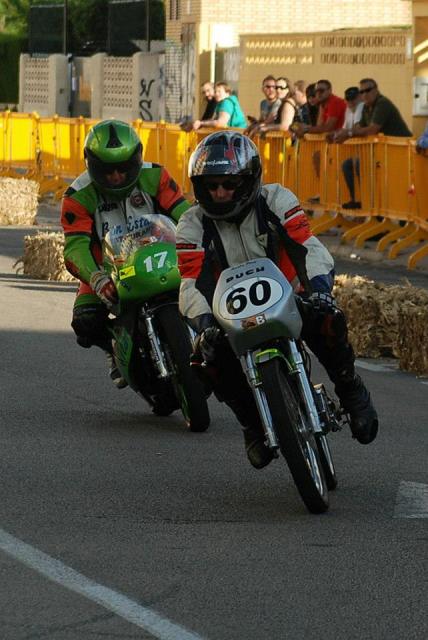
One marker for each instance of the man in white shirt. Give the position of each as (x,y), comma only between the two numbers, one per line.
(350,166)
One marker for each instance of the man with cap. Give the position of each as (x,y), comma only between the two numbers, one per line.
(350,166)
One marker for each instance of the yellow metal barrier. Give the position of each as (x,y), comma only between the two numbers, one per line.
(391,180)
(19,144)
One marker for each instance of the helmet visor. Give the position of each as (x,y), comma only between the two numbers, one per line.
(218,159)
(114,175)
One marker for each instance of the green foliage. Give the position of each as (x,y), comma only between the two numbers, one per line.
(87,20)
(10,48)
(14,15)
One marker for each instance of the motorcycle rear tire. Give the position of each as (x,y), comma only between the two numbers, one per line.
(177,345)
(296,442)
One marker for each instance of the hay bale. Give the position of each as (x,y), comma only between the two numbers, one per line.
(18,201)
(357,297)
(412,339)
(386,320)
(43,257)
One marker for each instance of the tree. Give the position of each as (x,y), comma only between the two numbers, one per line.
(14,16)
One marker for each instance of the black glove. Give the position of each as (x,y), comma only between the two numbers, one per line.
(321,314)
(208,340)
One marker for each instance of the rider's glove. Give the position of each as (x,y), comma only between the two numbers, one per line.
(322,302)
(203,357)
(209,338)
(322,315)
(104,287)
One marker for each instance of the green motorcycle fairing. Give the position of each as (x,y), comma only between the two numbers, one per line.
(149,271)
(143,266)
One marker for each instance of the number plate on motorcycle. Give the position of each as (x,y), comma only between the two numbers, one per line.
(249,298)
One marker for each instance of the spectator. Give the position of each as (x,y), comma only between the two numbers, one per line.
(331,112)
(422,142)
(287,110)
(350,166)
(208,93)
(303,108)
(331,116)
(313,105)
(228,112)
(379,115)
(353,115)
(268,107)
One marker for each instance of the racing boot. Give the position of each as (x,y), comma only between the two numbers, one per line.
(258,453)
(246,412)
(114,373)
(356,401)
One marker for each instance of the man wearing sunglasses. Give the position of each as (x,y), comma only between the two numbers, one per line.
(268,106)
(236,219)
(379,115)
(331,111)
(117,188)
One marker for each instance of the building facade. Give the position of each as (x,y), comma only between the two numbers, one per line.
(241,42)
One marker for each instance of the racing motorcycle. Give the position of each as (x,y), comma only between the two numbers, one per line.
(257,309)
(151,342)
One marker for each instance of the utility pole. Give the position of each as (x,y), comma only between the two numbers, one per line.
(64,30)
(148,24)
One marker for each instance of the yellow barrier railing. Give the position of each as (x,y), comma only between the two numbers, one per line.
(391,179)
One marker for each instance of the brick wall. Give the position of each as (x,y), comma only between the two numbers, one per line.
(285,16)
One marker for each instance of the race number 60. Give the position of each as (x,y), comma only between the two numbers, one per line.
(250,297)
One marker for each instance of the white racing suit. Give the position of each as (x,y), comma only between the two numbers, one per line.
(206,247)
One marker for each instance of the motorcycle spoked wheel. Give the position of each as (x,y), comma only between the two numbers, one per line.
(297,443)
(327,462)
(177,347)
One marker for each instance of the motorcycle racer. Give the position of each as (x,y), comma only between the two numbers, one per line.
(235,219)
(117,188)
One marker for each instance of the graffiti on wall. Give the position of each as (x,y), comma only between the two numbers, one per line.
(145,102)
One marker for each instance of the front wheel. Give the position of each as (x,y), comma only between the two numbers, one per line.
(326,461)
(177,347)
(296,439)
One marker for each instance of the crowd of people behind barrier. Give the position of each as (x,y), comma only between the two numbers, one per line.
(300,108)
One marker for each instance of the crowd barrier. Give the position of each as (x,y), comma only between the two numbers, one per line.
(392,180)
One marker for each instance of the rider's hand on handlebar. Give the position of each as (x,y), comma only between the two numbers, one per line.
(208,340)
(104,287)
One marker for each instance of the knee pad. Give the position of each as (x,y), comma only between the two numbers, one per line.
(89,325)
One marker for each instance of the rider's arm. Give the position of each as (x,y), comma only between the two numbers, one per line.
(192,302)
(285,204)
(170,196)
(77,223)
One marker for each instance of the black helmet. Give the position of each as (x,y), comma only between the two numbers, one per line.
(226,153)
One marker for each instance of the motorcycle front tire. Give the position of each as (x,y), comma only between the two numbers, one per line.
(296,441)
(177,345)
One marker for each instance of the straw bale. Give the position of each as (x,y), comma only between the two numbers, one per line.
(386,320)
(412,340)
(43,257)
(18,201)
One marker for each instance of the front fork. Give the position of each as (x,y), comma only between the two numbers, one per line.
(297,369)
(250,370)
(156,349)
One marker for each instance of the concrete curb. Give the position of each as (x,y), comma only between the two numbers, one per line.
(368,253)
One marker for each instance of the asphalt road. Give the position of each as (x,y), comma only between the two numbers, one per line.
(117,524)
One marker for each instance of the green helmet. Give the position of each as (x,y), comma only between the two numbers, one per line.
(112,145)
